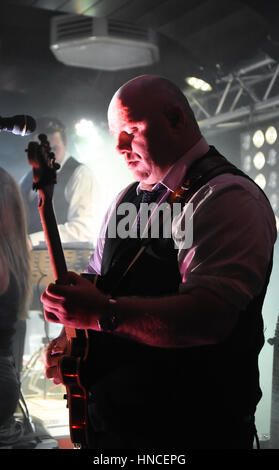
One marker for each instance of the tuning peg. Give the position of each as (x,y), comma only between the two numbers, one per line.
(42,138)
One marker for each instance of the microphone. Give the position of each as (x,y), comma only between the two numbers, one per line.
(18,125)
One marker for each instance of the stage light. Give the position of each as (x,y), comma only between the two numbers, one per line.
(198,84)
(259,160)
(262,164)
(247,163)
(272,154)
(246,141)
(260,180)
(274,201)
(271,135)
(88,141)
(85,128)
(258,138)
(272,179)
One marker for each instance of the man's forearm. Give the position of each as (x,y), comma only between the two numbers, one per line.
(185,320)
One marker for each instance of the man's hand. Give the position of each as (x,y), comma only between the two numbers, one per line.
(76,305)
(51,356)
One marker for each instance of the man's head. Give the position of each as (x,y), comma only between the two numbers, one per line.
(153,125)
(56,133)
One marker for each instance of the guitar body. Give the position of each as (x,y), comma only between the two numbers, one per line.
(71,368)
(76,393)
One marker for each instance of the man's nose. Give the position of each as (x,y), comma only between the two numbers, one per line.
(124,142)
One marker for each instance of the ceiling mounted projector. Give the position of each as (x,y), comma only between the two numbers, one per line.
(101,43)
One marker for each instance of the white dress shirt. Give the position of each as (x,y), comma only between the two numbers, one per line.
(234,231)
(80,217)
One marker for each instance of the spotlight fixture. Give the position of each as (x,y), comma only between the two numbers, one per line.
(258,138)
(259,160)
(272,154)
(198,84)
(274,201)
(247,163)
(272,182)
(271,135)
(246,141)
(260,180)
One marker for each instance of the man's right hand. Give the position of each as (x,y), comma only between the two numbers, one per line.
(52,355)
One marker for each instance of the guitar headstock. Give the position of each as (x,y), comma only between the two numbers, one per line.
(42,159)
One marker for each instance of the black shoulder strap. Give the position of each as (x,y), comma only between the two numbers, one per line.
(206,168)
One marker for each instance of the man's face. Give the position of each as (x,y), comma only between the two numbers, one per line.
(57,146)
(143,138)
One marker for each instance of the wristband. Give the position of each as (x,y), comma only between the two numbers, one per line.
(108,321)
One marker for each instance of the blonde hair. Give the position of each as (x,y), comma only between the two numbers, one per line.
(14,251)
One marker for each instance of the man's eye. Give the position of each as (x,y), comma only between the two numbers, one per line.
(132,131)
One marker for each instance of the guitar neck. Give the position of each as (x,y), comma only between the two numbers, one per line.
(52,237)
(54,245)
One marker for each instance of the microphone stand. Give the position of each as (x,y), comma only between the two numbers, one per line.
(274,424)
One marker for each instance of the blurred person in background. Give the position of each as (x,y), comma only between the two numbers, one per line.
(73,193)
(15,290)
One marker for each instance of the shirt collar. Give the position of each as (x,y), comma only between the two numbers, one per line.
(176,173)
(67,156)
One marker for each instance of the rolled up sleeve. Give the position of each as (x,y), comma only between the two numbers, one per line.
(234,232)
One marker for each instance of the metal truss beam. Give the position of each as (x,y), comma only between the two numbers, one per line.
(243,96)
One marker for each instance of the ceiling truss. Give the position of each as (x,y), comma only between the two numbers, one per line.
(245,96)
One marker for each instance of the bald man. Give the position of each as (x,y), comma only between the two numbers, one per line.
(182,320)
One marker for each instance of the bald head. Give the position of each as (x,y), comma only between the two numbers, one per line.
(153,124)
(156,91)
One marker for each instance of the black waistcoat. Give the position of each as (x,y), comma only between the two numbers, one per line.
(142,387)
(60,205)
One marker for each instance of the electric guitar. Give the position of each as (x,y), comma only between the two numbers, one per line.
(44,167)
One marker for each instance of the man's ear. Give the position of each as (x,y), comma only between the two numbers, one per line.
(176,117)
